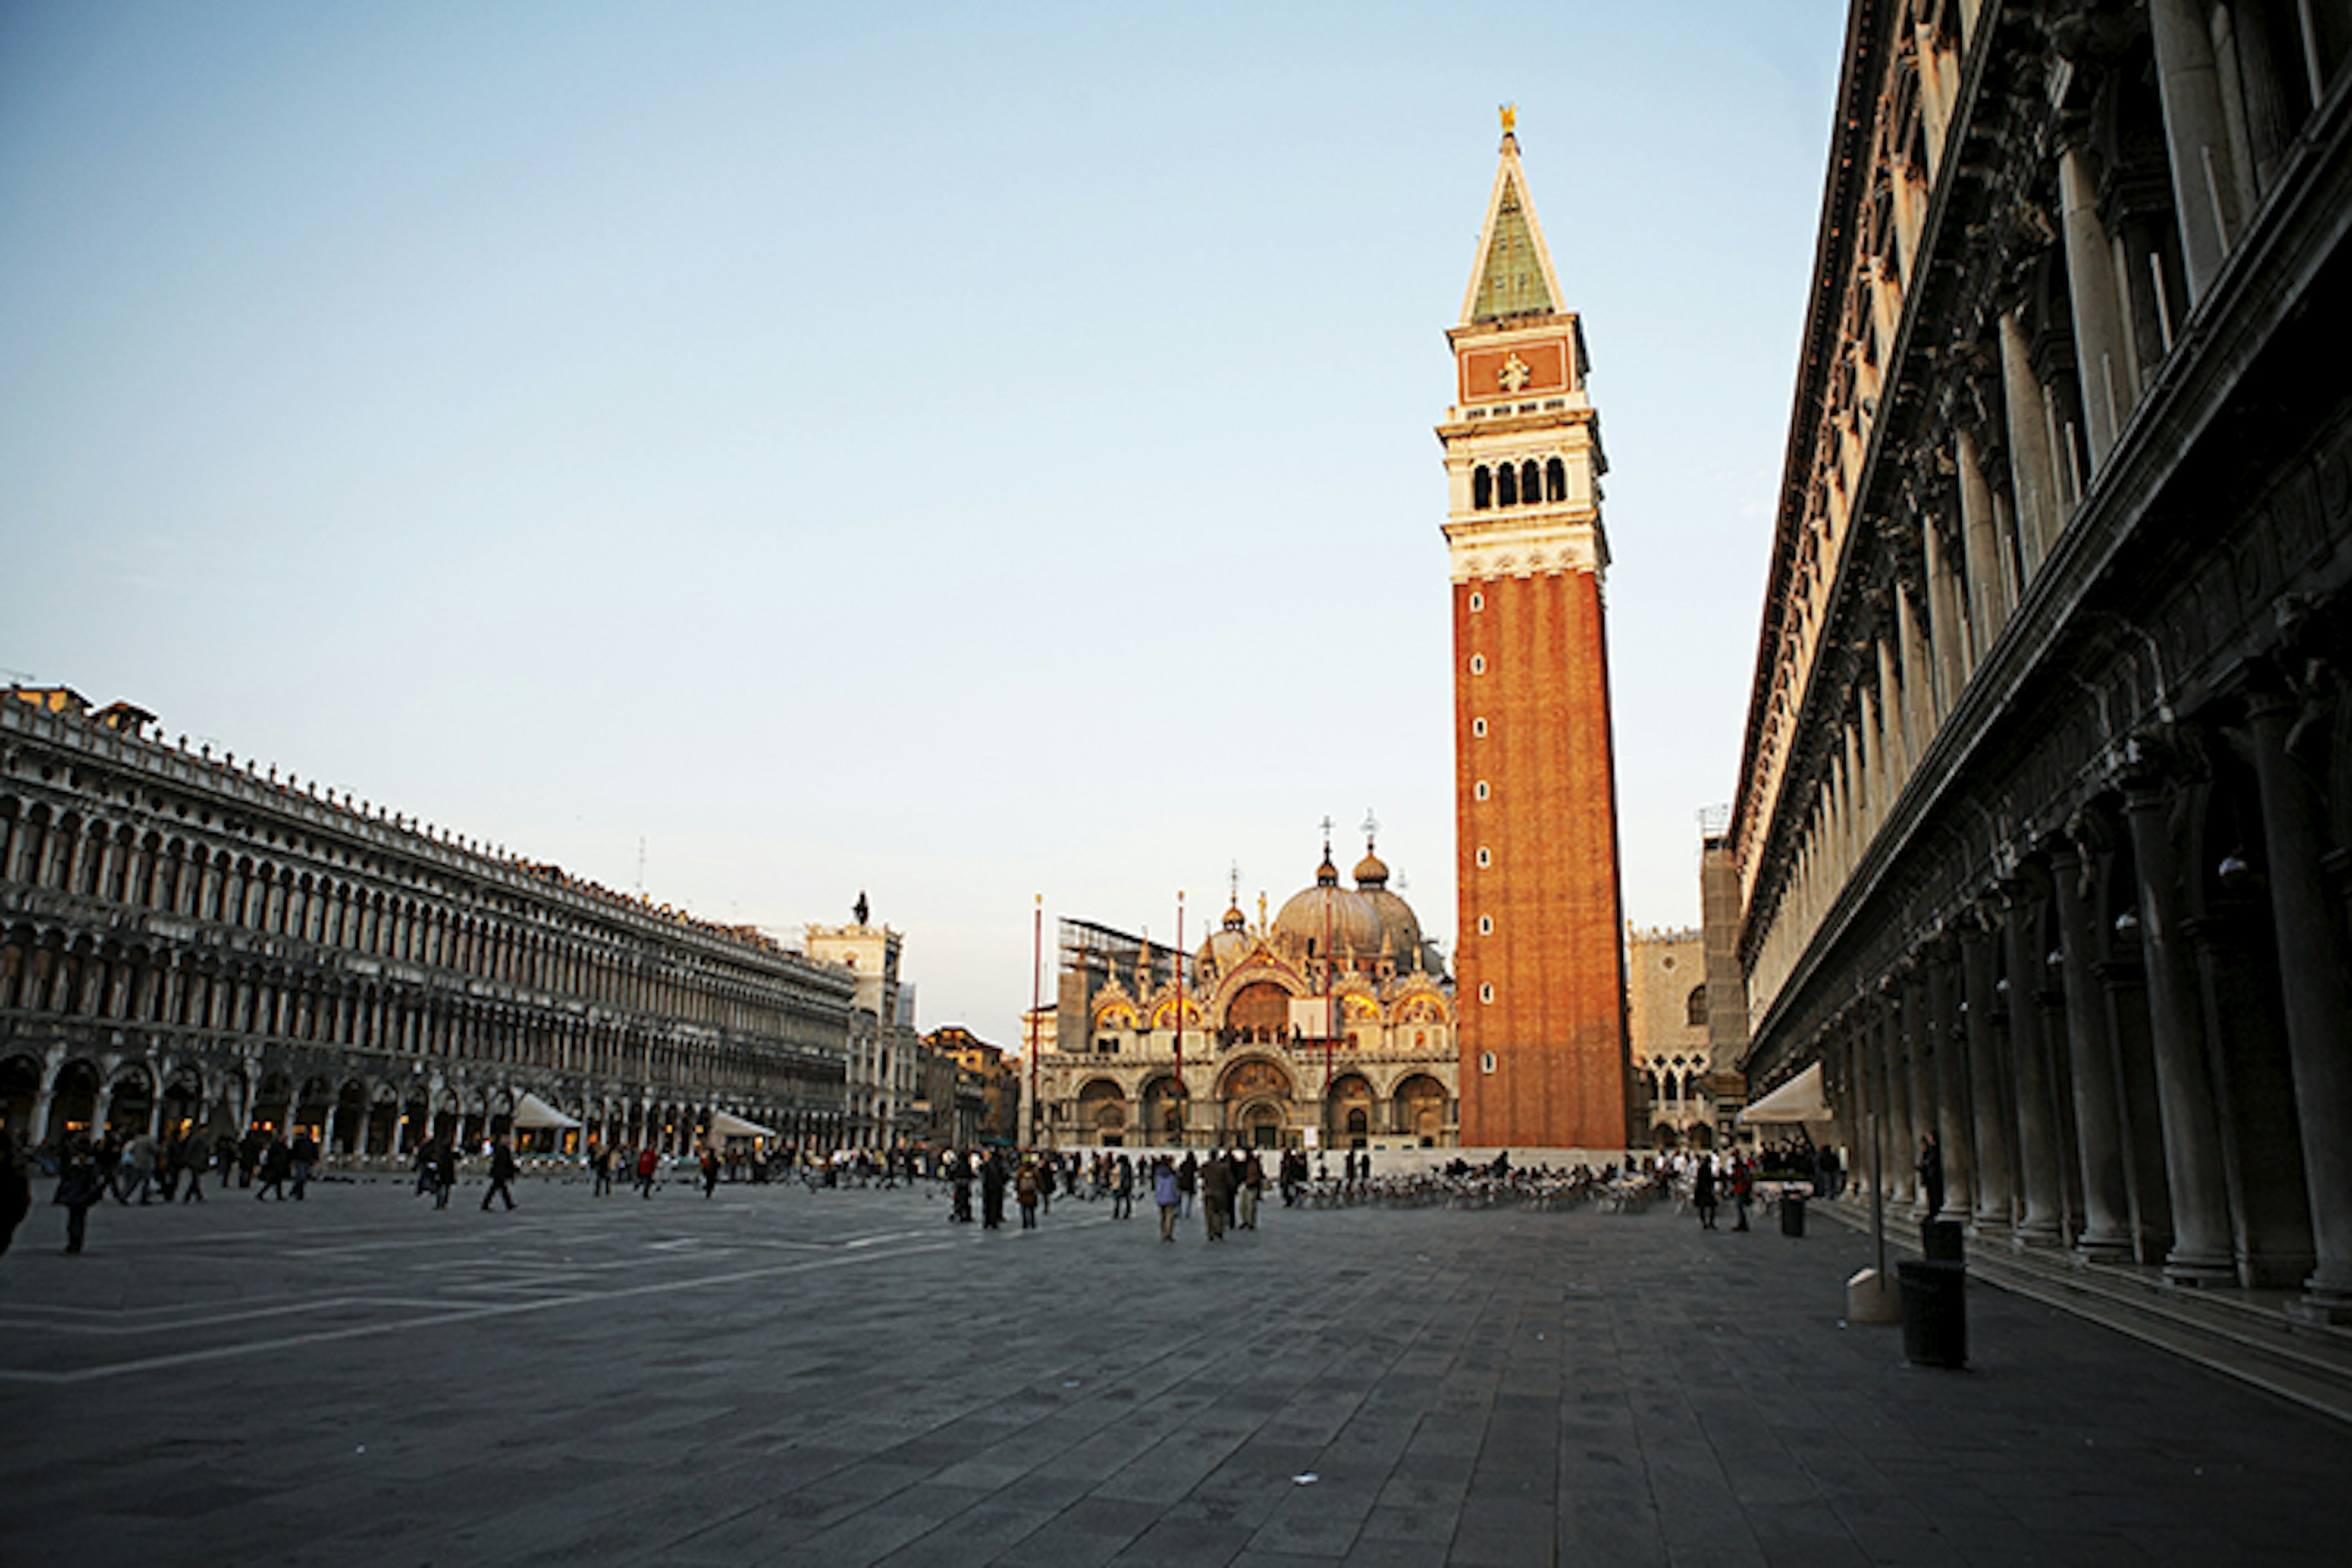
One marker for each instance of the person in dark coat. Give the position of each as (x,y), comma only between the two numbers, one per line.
(710,1171)
(277,1164)
(503,1171)
(960,1186)
(1703,1192)
(80,1185)
(1188,1181)
(992,1192)
(444,1171)
(1931,1173)
(15,1191)
(1027,1188)
(1217,1195)
(302,1157)
(1122,1189)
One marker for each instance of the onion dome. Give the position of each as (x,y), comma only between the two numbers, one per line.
(1399,928)
(1226,946)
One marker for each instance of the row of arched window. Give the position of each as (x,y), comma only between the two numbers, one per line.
(115,864)
(1517,484)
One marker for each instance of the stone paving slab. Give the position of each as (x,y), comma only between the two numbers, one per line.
(781,1376)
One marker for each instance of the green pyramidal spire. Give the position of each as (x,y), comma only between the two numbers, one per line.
(1512,281)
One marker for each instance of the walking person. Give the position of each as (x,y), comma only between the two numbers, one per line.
(709,1170)
(302,1156)
(15,1191)
(1931,1173)
(503,1171)
(648,1166)
(80,1185)
(959,1187)
(1187,1182)
(1026,1187)
(1122,1189)
(991,1191)
(600,1165)
(1165,1193)
(427,1153)
(1703,1192)
(444,1171)
(195,1155)
(1217,1195)
(1743,1184)
(277,1164)
(1253,1185)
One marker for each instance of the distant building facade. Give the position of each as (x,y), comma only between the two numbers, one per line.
(1667,1022)
(988,1085)
(2046,797)
(185,943)
(883,1065)
(1333,1025)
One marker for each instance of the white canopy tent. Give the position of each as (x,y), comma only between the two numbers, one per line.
(530,1111)
(1800,1100)
(727,1124)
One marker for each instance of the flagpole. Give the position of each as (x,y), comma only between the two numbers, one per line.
(1036,1000)
(1183,1097)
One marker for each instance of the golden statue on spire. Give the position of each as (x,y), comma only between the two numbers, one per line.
(1510,119)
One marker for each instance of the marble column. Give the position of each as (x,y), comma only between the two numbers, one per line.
(2202,1251)
(1989,1125)
(1902,1130)
(2314,962)
(1980,549)
(1918,680)
(2196,140)
(1918,1033)
(1946,627)
(2098,1130)
(2100,357)
(1950,1062)
(2044,1222)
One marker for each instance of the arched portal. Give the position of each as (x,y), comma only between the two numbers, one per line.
(130,1105)
(73,1104)
(1163,1110)
(1421,1109)
(20,1092)
(1259,1014)
(1102,1113)
(1348,1110)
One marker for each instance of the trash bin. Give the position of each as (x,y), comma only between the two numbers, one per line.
(1939,1241)
(1793,1213)
(1934,1313)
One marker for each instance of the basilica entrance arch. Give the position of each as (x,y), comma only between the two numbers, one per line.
(1255,1098)
(1348,1110)
(1259,1014)
(1421,1108)
(1102,1114)
(1163,1110)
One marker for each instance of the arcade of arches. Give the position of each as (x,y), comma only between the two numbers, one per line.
(185,946)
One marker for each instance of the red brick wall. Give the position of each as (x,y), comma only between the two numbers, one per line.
(1550,826)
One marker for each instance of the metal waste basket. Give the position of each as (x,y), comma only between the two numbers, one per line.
(1793,1213)
(1940,1241)
(1934,1313)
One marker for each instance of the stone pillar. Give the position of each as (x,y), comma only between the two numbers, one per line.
(2044,1221)
(2196,139)
(1944,621)
(1918,679)
(2099,354)
(1901,1131)
(2194,1177)
(1980,549)
(2314,962)
(1951,1080)
(1918,1032)
(1990,1127)
(1894,745)
(2098,1131)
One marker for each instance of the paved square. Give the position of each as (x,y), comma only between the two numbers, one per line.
(777,1375)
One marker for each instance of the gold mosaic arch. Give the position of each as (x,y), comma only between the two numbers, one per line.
(1253,1075)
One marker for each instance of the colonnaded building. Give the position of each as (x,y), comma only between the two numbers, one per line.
(1331,1025)
(2044,823)
(187,944)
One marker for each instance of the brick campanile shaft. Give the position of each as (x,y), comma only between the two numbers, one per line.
(1540,967)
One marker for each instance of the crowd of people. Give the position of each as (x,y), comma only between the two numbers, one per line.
(1226,1187)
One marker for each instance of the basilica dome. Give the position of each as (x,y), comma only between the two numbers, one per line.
(1399,928)
(1226,946)
(1350,921)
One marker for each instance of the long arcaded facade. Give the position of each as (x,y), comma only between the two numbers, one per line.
(186,944)
(2045,816)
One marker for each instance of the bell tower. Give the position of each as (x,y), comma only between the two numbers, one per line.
(1540,976)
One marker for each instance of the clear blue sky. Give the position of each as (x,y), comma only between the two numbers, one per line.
(960,452)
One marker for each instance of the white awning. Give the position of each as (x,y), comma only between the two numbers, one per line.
(1801,1099)
(532,1112)
(727,1124)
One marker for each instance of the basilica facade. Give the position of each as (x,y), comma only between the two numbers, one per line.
(1331,1025)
